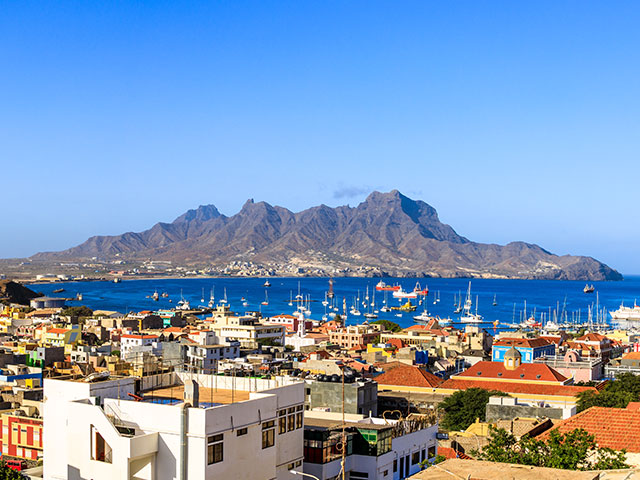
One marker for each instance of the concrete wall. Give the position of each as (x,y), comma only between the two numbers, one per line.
(359,397)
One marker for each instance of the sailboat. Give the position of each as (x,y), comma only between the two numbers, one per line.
(330,293)
(266,298)
(212,299)
(290,298)
(370,313)
(224,300)
(467,315)
(495,301)
(155,296)
(202,297)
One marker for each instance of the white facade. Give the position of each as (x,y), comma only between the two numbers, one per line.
(124,439)
(129,342)
(206,357)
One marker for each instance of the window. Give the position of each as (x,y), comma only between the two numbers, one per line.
(292,423)
(415,458)
(268,434)
(241,431)
(214,449)
(357,475)
(431,452)
(395,465)
(282,425)
(298,420)
(100,449)
(423,455)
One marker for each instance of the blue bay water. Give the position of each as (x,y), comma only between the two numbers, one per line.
(541,295)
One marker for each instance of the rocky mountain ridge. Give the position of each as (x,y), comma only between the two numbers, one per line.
(388,231)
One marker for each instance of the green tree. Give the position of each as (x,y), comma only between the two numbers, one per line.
(575,450)
(464,406)
(77,311)
(388,325)
(7,473)
(617,393)
(115,353)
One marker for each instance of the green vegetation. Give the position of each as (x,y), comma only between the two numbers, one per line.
(115,353)
(464,406)
(388,325)
(575,450)
(617,393)
(7,473)
(77,311)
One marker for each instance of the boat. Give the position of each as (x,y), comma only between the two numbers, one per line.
(266,284)
(290,298)
(381,286)
(117,280)
(424,317)
(370,315)
(79,296)
(202,297)
(443,321)
(155,296)
(224,300)
(495,301)
(212,300)
(407,307)
(58,290)
(626,313)
(467,315)
(330,293)
(399,293)
(183,305)
(266,299)
(421,291)
(589,288)
(164,295)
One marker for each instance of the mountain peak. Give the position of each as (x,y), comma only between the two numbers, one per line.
(200,214)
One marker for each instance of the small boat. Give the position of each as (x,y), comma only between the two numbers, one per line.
(202,297)
(381,286)
(290,298)
(421,291)
(424,317)
(370,315)
(589,288)
(164,295)
(117,280)
(266,284)
(266,299)
(79,296)
(155,296)
(212,299)
(330,293)
(58,290)
(399,293)
(495,301)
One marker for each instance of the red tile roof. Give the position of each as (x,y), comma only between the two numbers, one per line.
(615,428)
(631,356)
(448,453)
(58,331)
(408,376)
(592,337)
(522,342)
(139,337)
(536,372)
(516,387)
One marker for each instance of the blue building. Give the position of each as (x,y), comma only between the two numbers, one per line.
(529,348)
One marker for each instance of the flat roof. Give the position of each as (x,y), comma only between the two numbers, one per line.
(206,396)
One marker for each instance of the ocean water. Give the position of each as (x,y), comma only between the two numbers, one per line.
(540,295)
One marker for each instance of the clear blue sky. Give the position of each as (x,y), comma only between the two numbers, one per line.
(516,120)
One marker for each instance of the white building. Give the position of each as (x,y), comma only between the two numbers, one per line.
(249,331)
(377,448)
(91,434)
(206,357)
(130,343)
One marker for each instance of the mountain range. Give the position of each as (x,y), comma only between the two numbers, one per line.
(388,232)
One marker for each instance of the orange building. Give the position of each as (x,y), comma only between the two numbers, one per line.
(21,436)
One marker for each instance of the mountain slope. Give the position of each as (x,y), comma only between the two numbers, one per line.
(388,231)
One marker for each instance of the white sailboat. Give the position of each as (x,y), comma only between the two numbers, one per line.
(467,315)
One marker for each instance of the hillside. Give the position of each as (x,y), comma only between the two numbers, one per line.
(388,231)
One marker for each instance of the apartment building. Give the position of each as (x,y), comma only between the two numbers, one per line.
(206,427)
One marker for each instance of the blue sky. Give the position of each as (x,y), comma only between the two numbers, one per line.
(516,120)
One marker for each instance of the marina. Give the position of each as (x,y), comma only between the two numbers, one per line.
(523,303)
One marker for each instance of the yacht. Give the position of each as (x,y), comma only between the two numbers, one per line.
(626,313)
(467,315)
